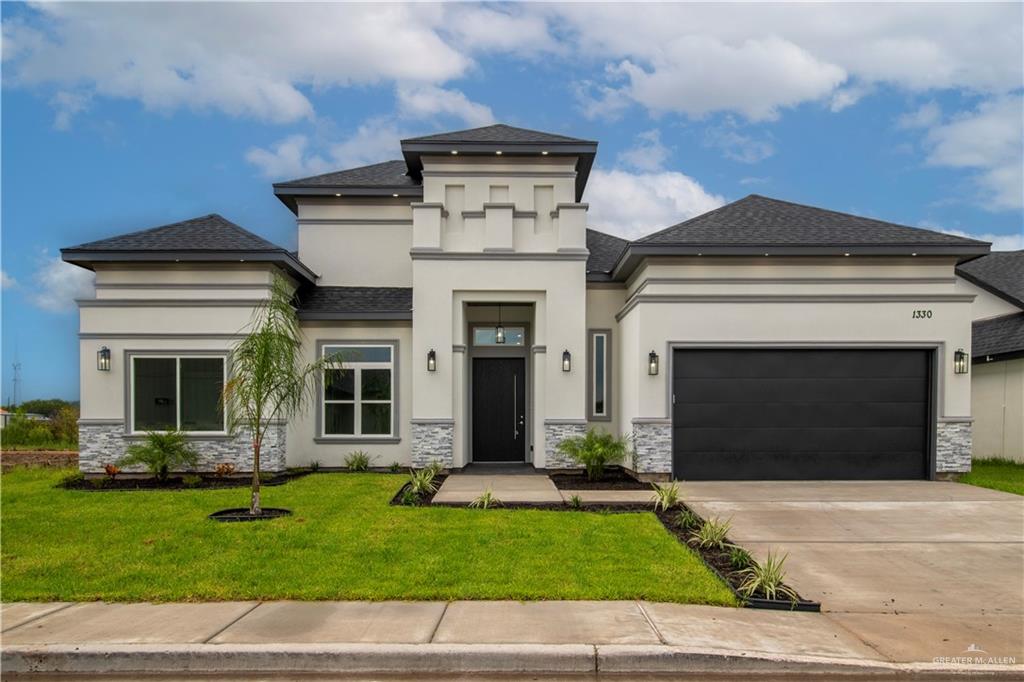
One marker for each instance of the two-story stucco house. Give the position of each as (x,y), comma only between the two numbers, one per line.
(482,319)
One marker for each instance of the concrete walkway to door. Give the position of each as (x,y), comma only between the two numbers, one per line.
(509,483)
(916,569)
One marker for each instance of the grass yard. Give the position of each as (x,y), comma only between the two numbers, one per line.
(998,474)
(344,542)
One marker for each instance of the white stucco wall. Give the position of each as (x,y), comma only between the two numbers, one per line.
(997,403)
(986,304)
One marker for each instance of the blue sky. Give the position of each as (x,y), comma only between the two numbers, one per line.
(121,117)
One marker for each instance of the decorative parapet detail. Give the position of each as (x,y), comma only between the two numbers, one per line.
(432,442)
(554,433)
(105,443)
(953,447)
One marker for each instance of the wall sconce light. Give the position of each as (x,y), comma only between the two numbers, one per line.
(431,360)
(103,359)
(566,360)
(652,363)
(961,361)
(499,331)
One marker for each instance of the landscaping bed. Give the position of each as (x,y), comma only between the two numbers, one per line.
(613,478)
(122,483)
(400,498)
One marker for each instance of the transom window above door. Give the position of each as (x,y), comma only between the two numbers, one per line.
(358,391)
(487,336)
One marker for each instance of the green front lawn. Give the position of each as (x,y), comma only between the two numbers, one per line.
(344,542)
(998,474)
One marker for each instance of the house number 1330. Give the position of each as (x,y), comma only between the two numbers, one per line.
(922,315)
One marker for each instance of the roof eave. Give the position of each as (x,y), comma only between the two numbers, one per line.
(995,291)
(288,193)
(84,258)
(314,315)
(637,252)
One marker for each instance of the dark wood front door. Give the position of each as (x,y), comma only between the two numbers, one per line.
(499,410)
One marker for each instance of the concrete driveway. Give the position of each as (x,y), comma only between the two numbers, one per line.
(915,569)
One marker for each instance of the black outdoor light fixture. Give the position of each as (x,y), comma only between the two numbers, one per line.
(961,361)
(431,360)
(103,359)
(652,363)
(499,331)
(566,360)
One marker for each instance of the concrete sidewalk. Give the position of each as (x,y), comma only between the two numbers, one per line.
(438,638)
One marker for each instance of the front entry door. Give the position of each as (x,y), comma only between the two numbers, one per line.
(499,409)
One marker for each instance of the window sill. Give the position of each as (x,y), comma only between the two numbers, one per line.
(340,440)
(592,418)
(188,436)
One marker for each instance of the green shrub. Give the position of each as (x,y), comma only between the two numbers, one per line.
(665,497)
(161,452)
(358,461)
(72,478)
(767,579)
(191,481)
(687,520)
(435,467)
(485,500)
(594,451)
(712,534)
(576,502)
(395,467)
(739,558)
(58,432)
(421,482)
(409,498)
(314,465)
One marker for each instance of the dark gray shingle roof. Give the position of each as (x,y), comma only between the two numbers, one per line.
(1001,272)
(497,133)
(997,336)
(384,174)
(356,303)
(206,233)
(758,220)
(605,250)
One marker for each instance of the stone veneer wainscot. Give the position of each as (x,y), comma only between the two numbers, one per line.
(952,447)
(432,442)
(555,432)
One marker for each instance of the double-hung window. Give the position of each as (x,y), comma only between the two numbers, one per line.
(358,391)
(599,370)
(177,392)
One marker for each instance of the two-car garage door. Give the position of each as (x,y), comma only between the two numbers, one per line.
(747,414)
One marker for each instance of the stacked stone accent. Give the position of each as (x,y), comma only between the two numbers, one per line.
(432,442)
(100,444)
(652,445)
(554,433)
(953,447)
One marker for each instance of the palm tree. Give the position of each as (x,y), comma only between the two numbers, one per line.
(269,380)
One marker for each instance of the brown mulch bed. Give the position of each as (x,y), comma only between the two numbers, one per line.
(614,478)
(423,501)
(57,459)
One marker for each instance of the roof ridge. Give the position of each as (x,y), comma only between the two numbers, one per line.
(339,170)
(427,138)
(178,224)
(691,219)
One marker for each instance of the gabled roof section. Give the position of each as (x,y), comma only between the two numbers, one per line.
(388,178)
(1000,272)
(505,140)
(208,238)
(356,303)
(605,250)
(761,221)
(499,132)
(1000,338)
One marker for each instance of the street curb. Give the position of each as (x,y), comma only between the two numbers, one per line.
(445,659)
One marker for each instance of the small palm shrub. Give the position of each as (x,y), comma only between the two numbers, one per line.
(161,452)
(485,500)
(767,579)
(711,534)
(687,520)
(358,461)
(665,497)
(594,451)
(576,502)
(421,482)
(739,558)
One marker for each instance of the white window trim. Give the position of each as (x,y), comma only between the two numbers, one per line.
(177,388)
(357,384)
(592,413)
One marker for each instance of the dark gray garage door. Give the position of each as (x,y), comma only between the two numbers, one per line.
(800,414)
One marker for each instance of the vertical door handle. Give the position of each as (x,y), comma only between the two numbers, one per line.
(515,402)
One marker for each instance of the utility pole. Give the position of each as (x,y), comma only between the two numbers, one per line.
(16,380)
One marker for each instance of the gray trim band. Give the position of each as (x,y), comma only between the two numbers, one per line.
(458,348)
(100,422)
(342,316)
(170,336)
(350,440)
(497,174)
(797,280)
(556,422)
(169,302)
(354,221)
(416,253)
(651,420)
(177,286)
(539,349)
(439,420)
(956,420)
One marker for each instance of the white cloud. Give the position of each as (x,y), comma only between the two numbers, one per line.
(754,180)
(989,140)
(7,281)
(375,140)
(241,59)
(56,285)
(632,205)
(287,158)
(1000,242)
(67,105)
(509,29)
(925,116)
(847,96)
(428,100)
(736,145)
(649,154)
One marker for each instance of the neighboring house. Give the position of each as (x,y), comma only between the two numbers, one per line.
(997,387)
(4,418)
(480,319)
